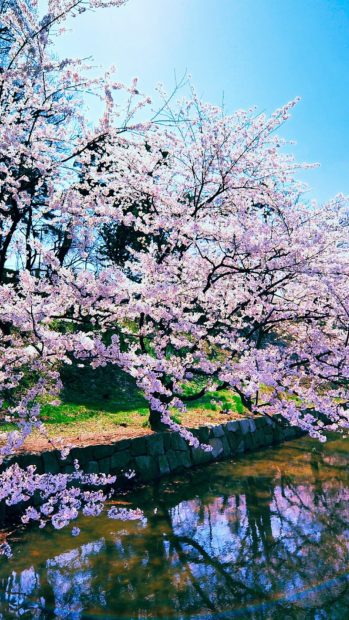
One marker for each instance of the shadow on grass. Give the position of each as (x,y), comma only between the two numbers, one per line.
(88,392)
(111,392)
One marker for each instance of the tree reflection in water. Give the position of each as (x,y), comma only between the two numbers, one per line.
(262,538)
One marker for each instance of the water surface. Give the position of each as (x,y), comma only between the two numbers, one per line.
(263,537)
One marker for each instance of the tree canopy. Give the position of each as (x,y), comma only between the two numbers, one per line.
(181,249)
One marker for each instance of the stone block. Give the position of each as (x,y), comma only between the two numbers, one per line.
(123,444)
(217,431)
(68,469)
(178,460)
(217,447)
(31,459)
(260,422)
(233,426)
(92,467)
(234,440)
(178,443)
(104,465)
(155,444)
(245,426)
(277,434)
(268,437)
(146,468)
(199,456)
(185,460)
(227,451)
(241,447)
(50,461)
(83,455)
(291,432)
(204,434)
(249,441)
(139,446)
(259,437)
(253,427)
(163,465)
(102,452)
(119,460)
(167,437)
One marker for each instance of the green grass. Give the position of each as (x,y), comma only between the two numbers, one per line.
(89,394)
(113,393)
(124,410)
(106,398)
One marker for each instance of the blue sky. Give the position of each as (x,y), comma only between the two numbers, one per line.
(256,52)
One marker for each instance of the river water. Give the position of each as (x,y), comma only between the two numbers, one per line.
(262,537)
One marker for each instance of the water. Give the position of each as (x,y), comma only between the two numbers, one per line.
(264,537)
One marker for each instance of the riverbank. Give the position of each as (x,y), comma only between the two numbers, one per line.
(103,428)
(153,455)
(263,535)
(150,457)
(112,409)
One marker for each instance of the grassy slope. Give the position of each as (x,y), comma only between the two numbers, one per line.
(106,398)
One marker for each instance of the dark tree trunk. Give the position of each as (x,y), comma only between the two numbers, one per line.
(155,421)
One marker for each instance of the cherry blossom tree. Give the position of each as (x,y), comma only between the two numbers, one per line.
(236,282)
(225,275)
(42,136)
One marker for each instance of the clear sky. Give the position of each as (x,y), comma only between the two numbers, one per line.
(256,52)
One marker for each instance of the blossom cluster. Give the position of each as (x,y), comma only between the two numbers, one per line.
(181,249)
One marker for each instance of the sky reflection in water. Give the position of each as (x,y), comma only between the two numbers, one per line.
(265,537)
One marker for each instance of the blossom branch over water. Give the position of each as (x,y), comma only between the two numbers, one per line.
(181,250)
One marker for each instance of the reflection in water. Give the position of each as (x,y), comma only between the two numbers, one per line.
(263,538)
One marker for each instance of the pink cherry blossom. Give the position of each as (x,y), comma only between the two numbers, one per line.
(229,276)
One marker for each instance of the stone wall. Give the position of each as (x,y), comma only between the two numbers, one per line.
(159,454)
